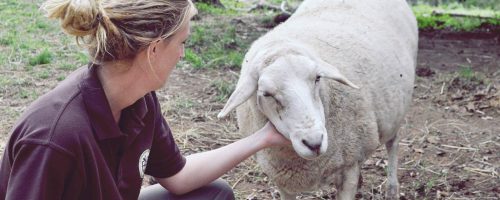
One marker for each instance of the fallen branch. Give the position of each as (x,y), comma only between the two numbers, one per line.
(461,148)
(482,171)
(441,13)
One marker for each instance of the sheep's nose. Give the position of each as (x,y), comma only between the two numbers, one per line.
(313,146)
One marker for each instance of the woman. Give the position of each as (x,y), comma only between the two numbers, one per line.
(99,131)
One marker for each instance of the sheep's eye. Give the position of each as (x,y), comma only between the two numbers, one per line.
(317,79)
(267,94)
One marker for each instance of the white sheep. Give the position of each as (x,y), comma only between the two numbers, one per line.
(286,79)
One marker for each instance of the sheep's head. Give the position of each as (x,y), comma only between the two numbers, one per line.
(288,94)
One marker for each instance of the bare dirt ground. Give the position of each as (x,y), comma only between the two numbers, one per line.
(449,146)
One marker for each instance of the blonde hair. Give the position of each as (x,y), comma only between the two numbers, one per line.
(119,29)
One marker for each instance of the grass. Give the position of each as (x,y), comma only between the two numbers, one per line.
(184,103)
(44,74)
(468,4)
(45,57)
(193,58)
(60,78)
(223,88)
(27,94)
(31,47)
(204,8)
(466,73)
(214,45)
(426,18)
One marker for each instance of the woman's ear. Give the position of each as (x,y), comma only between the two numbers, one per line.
(155,45)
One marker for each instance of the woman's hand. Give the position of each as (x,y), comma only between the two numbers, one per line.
(271,136)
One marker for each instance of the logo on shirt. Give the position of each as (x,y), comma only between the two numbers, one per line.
(143,162)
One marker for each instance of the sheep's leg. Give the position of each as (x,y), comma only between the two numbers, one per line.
(349,184)
(392,169)
(286,196)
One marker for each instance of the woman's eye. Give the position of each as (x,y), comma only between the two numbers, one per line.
(317,79)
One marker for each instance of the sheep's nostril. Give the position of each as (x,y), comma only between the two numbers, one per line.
(312,147)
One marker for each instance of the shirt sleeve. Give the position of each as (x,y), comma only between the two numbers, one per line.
(38,172)
(165,159)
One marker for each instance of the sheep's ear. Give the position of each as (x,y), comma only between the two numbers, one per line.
(330,71)
(245,87)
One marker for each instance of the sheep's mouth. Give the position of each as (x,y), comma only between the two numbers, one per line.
(309,150)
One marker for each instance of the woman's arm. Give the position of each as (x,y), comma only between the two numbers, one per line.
(203,168)
(39,171)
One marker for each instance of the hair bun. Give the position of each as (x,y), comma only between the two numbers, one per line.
(78,17)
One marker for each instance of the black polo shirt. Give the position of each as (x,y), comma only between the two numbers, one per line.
(67,145)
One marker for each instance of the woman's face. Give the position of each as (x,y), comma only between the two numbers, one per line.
(168,52)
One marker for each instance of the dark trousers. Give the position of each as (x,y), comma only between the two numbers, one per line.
(217,190)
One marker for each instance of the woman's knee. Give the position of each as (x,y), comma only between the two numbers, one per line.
(217,190)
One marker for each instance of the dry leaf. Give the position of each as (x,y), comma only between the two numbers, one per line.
(440,153)
(454,107)
(495,102)
(470,107)
(432,139)
(456,96)
(418,150)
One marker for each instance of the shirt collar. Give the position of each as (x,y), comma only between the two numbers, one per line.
(99,110)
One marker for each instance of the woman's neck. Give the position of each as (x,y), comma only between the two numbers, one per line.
(121,82)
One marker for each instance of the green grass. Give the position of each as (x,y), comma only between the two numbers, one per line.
(193,58)
(215,44)
(60,77)
(204,8)
(33,49)
(471,4)
(466,73)
(223,88)
(28,36)
(27,94)
(44,74)
(44,57)
(426,18)
(183,103)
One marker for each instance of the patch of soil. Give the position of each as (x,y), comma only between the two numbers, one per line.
(486,31)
